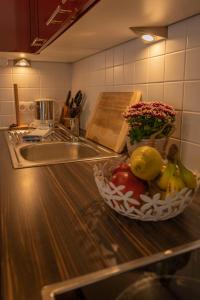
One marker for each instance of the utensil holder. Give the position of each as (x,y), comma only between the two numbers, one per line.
(72,124)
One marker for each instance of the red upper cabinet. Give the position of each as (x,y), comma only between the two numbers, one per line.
(14,26)
(31,25)
(51,18)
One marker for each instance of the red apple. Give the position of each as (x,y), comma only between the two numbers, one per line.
(123,167)
(130,182)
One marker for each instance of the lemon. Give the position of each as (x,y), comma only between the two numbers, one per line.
(146,163)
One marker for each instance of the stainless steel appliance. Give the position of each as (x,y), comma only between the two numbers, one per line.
(44,111)
(173,278)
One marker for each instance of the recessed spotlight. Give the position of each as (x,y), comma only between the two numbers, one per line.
(22,62)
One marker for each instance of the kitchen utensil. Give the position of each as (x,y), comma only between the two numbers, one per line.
(65,109)
(16,104)
(68,98)
(72,124)
(78,98)
(17,112)
(44,111)
(107,125)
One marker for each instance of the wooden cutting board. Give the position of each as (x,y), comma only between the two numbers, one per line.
(107,125)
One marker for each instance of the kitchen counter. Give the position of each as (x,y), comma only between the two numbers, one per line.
(55,226)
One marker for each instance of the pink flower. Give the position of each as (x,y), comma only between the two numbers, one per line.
(152,109)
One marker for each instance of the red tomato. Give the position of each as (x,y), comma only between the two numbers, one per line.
(130,182)
(121,168)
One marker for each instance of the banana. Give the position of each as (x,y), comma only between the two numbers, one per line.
(166,175)
(175,184)
(187,176)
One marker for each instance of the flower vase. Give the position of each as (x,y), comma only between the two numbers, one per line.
(158,144)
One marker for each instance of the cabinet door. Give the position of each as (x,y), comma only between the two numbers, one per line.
(14,26)
(49,19)
(41,11)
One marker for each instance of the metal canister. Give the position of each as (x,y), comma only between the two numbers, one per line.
(44,110)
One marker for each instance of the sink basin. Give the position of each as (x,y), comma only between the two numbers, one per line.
(57,147)
(58,151)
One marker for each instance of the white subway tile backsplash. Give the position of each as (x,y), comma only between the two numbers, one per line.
(174,66)
(119,74)
(192,70)
(173,94)
(156,69)
(141,68)
(48,93)
(141,49)
(6,94)
(190,155)
(6,108)
(177,133)
(119,55)
(129,73)
(193,31)
(191,100)
(23,81)
(7,120)
(176,37)
(109,58)
(27,117)
(97,77)
(26,71)
(124,88)
(109,76)
(28,94)
(190,127)
(157,49)
(6,69)
(6,81)
(129,51)
(100,61)
(155,92)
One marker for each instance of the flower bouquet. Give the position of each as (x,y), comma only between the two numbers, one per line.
(150,123)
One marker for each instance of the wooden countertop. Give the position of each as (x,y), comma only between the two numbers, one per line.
(55,226)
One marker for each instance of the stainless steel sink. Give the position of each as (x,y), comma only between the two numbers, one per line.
(58,147)
(58,151)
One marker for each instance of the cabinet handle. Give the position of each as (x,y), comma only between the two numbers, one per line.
(57,11)
(38,42)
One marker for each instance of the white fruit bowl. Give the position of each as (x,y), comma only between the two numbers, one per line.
(147,208)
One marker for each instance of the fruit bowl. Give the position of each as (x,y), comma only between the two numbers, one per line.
(146,208)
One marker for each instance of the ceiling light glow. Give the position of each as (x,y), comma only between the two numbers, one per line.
(148,37)
(22,62)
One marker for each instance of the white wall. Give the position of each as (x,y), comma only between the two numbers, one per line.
(166,71)
(44,79)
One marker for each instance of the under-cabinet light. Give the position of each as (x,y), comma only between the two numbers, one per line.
(151,34)
(22,62)
(148,37)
